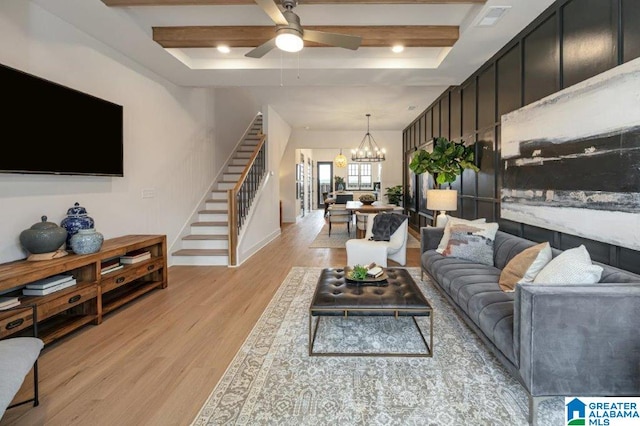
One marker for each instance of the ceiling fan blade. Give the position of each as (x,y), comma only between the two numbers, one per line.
(261,50)
(271,9)
(333,39)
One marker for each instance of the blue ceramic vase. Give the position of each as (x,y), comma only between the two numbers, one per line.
(86,241)
(76,219)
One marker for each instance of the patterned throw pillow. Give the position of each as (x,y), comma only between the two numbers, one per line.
(572,266)
(447,230)
(472,241)
(524,266)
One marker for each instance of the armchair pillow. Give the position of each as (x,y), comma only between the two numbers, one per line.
(472,241)
(525,266)
(572,266)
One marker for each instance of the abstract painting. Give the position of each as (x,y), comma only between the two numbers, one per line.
(572,159)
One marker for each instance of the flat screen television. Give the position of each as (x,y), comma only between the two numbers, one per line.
(52,129)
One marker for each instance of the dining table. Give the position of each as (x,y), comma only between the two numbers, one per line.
(376,207)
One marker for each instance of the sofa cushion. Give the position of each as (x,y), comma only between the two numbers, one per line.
(524,266)
(573,266)
(507,246)
(447,230)
(474,288)
(472,241)
(446,269)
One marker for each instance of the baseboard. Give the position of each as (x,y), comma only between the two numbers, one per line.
(242,257)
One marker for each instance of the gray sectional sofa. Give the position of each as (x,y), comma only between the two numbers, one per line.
(557,340)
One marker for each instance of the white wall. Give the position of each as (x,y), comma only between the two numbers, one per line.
(168,135)
(263,224)
(325,145)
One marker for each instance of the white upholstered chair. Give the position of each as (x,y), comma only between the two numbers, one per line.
(362,251)
(18,356)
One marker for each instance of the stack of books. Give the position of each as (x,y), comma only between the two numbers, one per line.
(375,271)
(110,265)
(49,285)
(135,257)
(9,302)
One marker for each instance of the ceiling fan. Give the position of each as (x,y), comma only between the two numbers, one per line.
(290,34)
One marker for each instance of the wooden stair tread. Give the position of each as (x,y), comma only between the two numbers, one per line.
(213,211)
(219,190)
(210,224)
(201,252)
(204,237)
(213,200)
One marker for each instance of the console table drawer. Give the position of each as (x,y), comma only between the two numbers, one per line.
(131,273)
(17,321)
(69,300)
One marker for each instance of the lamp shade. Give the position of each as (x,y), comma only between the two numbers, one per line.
(442,199)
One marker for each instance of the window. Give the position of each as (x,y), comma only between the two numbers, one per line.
(359,176)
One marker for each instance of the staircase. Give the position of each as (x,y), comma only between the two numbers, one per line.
(208,240)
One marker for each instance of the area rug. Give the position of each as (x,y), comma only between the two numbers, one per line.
(339,237)
(273,381)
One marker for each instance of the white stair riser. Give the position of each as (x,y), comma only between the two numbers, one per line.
(219,205)
(239,161)
(231,176)
(213,217)
(205,244)
(235,169)
(226,185)
(210,230)
(250,143)
(243,154)
(200,260)
(222,196)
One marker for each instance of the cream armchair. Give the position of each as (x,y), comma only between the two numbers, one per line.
(362,251)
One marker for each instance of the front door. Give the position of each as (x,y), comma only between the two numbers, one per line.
(325,172)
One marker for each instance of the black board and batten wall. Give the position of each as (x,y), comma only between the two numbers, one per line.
(570,42)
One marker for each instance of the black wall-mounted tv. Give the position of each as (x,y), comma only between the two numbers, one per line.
(49,128)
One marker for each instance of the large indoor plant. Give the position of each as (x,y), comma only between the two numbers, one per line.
(394,194)
(445,163)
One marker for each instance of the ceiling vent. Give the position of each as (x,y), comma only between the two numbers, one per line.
(493,15)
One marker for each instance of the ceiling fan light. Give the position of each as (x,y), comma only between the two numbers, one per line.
(289,41)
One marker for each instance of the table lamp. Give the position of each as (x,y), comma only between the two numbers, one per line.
(442,200)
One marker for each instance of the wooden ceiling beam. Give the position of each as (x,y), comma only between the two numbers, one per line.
(304,2)
(252,36)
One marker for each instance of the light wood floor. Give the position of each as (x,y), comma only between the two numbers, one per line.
(156,360)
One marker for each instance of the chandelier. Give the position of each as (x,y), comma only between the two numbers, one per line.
(368,150)
(340,161)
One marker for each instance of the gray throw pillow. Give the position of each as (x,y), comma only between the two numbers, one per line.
(472,241)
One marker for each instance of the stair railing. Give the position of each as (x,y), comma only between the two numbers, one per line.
(242,194)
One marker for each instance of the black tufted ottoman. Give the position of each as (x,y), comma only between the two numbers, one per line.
(399,296)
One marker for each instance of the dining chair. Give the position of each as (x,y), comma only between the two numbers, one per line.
(338,213)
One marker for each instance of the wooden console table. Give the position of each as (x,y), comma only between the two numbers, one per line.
(94,295)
